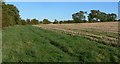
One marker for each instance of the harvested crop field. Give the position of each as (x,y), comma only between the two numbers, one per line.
(103,32)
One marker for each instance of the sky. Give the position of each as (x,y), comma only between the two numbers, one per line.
(62,0)
(61,10)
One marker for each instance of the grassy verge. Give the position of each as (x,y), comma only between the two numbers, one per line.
(32,44)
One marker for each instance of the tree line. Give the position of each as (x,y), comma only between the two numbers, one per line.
(11,17)
(93,16)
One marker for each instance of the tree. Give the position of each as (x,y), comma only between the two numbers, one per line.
(46,21)
(94,15)
(111,17)
(102,16)
(97,15)
(34,21)
(10,15)
(118,19)
(61,22)
(40,22)
(55,22)
(78,17)
(28,21)
(23,22)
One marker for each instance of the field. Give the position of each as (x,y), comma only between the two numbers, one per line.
(50,44)
(104,32)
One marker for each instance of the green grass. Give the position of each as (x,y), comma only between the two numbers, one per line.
(32,44)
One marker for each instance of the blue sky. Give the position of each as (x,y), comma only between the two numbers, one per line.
(62,0)
(61,10)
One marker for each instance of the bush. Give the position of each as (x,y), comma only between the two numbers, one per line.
(46,21)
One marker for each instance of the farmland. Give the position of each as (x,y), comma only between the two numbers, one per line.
(55,43)
(59,32)
(104,32)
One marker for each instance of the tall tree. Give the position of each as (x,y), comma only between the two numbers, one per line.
(78,17)
(97,15)
(10,15)
(112,17)
(102,16)
(94,15)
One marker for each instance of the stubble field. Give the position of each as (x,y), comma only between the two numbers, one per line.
(103,32)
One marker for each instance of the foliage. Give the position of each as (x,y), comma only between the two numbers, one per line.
(118,19)
(28,21)
(40,45)
(97,15)
(78,17)
(46,21)
(56,22)
(34,21)
(23,22)
(10,15)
